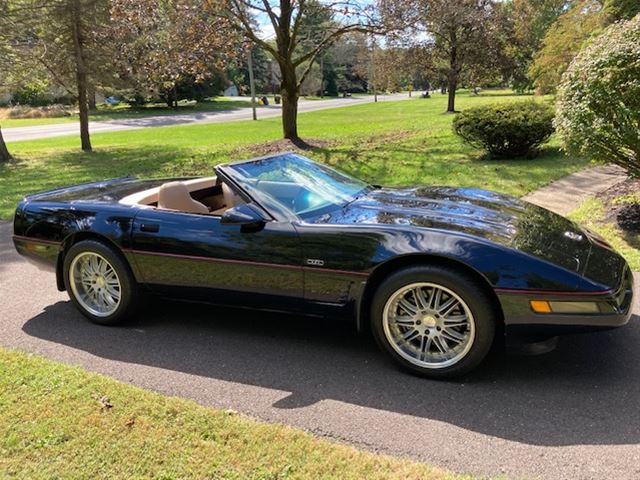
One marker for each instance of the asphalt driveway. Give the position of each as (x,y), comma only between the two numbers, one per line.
(573,413)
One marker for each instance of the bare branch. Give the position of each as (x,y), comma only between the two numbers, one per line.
(329,40)
(296,26)
(272,16)
(247,28)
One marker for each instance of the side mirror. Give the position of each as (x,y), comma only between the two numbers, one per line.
(248,217)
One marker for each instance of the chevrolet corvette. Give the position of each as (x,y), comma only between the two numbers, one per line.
(437,274)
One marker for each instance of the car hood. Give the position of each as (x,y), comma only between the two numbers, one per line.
(498,218)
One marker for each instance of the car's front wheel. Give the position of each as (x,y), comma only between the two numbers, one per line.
(99,282)
(434,320)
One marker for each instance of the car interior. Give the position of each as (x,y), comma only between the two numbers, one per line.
(289,194)
(207,195)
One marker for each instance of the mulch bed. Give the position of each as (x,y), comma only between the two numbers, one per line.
(311,144)
(285,145)
(626,215)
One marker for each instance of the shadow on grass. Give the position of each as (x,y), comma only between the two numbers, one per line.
(540,153)
(632,239)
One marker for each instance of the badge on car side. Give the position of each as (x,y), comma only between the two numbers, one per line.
(573,236)
(315,262)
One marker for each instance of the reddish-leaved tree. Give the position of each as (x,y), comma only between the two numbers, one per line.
(162,42)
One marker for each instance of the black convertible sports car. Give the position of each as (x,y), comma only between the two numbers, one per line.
(437,273)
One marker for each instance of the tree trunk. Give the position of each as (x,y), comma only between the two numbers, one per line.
(81,78)
(5,156)
(83,108)
(290,93)
(453,73)
(92,98)
(290,115)
(451,104)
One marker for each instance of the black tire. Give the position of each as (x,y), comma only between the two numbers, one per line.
(484,317)
(128,286)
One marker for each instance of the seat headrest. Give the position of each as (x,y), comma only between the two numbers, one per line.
(176,196)
(231,199)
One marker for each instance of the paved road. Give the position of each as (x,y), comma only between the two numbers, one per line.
(47,131)
(570,414)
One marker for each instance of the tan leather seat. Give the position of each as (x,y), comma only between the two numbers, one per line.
(175,196)
(230,197)
(229,200)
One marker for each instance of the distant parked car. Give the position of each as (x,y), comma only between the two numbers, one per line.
(436,272)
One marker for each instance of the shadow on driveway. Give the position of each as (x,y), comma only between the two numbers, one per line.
(587,392)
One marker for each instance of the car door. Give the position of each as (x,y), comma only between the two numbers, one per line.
(196,256)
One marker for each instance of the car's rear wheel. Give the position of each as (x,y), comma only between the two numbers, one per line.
(99,282)
(434,320)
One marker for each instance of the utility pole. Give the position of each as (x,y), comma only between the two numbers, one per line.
(252,85)
(322,76)
(373,69)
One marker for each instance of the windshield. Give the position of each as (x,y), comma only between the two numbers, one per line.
(297,183)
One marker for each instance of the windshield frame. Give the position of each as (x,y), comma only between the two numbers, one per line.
(271,204)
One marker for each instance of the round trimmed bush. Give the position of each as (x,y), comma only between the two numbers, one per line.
(598,101)
(506,130)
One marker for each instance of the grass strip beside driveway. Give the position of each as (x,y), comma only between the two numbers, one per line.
(59,421)
(593,215)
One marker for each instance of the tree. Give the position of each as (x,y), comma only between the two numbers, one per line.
(295,54)
(162,43)
(615,10)
(598,105)
(521,25)
(316,20)
(392,68)
(238,71)
(562,42)
(457,32)
(349,59)
(5,61)
(56,38)
(5,156)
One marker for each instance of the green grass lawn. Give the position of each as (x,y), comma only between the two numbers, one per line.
(391,143)
(593,215)
(54,424)
(124,111)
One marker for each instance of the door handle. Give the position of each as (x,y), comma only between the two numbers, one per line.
(150,227)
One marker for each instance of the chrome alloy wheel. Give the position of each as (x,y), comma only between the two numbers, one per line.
(95,284)
(428,325)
